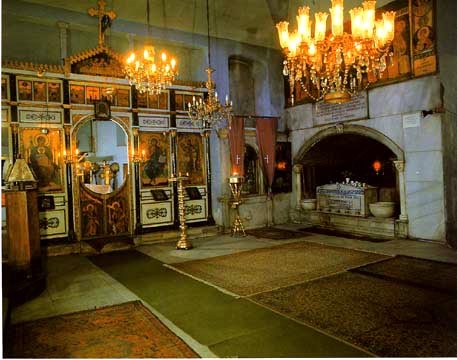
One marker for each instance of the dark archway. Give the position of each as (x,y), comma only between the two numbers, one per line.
(349,155)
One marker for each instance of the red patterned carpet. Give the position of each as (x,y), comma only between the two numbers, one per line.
(120,331)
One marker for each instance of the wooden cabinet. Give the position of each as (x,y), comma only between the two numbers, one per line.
(23,228)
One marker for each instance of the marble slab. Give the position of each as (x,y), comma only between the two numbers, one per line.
(425,208)
(426,137)
(405,97)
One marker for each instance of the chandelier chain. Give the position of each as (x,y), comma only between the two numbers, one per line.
(210,111)
(146,73)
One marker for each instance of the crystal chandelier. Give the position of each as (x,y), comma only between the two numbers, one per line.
(210,110)
(336,66)
(147,74)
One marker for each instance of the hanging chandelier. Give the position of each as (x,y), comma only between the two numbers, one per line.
(147,73)
(337,65)
(210,110)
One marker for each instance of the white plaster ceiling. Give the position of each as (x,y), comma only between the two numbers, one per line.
(249,21)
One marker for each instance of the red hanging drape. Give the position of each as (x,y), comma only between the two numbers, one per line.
(266,140)
(236,140)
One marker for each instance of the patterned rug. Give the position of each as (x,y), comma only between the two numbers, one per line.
(425,273)
(121,331)
(385,317)
(275,234)
(254,271)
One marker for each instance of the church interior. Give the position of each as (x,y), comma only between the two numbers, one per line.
(204,178)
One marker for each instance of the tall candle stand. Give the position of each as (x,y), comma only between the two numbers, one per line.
(236,183)
(183,243)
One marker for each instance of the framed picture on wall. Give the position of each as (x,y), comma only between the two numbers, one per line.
(43,153)
(54,92)
(191,158)
(39,91)
(24,89)
(154,169)
(77,94)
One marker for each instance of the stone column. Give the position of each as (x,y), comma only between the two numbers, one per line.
(400,166)
(298,189)
(63,34)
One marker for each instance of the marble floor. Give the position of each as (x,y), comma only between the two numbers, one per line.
(74,283)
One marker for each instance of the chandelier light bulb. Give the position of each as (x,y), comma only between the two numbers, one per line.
(147,73)
(321,25)
(337,17)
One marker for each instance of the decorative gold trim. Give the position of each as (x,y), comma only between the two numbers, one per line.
(100,49)
(39,68)
(14,128)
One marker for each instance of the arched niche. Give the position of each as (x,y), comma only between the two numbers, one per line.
(350,152)
(103,146)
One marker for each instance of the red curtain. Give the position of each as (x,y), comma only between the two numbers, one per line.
(266,139)
(236,140)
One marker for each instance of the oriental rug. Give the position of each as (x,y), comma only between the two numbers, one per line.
(120,331)
(421,272)
(275,234)
(385,317)
(254,271)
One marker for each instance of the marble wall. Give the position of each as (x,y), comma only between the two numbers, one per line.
(391,109)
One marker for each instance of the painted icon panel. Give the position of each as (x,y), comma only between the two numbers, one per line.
(154,148)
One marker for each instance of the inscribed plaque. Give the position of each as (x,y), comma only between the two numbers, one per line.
(355,108)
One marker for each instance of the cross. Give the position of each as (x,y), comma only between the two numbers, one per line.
(238,158)
(104,19)
(266,158)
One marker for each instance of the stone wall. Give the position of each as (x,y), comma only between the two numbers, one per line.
(388,111)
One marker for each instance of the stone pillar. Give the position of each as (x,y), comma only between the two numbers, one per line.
(400,166)
(63,34)
(298,189)
(224,173)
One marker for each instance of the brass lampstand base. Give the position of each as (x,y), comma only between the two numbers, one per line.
(236,183)
(237,227)
(183,243)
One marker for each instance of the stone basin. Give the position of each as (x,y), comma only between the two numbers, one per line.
(308,204)
(382,209)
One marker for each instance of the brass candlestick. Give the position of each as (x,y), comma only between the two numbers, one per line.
(183,243)
(236,183)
